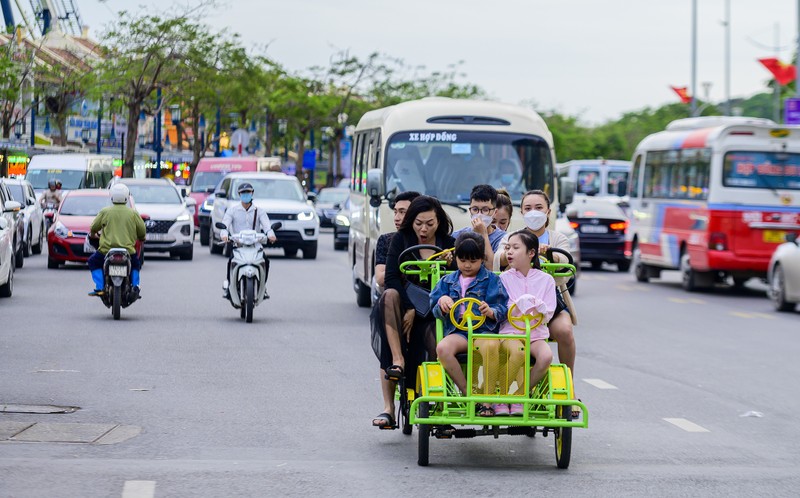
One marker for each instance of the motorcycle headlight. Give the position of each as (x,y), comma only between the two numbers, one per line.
(306,215)
(61,231)
(342,220)
(183,217)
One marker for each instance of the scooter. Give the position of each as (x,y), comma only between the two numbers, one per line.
(118,289)
(248,272)
(49,213)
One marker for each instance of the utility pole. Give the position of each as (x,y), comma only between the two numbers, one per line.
(693,107)
(727,23)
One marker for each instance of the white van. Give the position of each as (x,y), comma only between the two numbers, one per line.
(597,177)
(74,171)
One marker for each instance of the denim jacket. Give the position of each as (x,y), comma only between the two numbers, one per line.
(486,287)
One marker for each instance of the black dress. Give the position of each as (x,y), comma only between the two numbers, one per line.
(422,332)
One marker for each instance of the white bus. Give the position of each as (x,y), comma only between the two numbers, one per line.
(713,197)
(597,177)
(441,147)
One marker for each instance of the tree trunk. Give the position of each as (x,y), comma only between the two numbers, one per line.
(131,138)
(197,144)
(301,148)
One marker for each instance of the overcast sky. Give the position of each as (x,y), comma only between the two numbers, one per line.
(591,58)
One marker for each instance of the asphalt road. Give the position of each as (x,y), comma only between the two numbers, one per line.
(689,394)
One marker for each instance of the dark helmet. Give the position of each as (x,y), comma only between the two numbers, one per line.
(51,184)
(245,187)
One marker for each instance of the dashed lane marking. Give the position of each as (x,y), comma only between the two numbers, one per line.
(742,314)
(600,384)
(139,489)
(686,425)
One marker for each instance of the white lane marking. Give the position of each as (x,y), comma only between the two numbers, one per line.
(686,425)
(742,314)
(600,384)
(678,300)
(139,489)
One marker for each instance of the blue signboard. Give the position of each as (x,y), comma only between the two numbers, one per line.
(310,159)
(791,111)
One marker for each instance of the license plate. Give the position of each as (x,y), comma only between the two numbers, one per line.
(158,237)
(774,236)
(594,229)
(118,271)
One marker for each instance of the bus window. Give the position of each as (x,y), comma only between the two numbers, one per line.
(617,183)
(633,188)
(772,170)
(588,182)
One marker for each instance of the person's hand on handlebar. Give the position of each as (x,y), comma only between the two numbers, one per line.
(445,303)
(486,310)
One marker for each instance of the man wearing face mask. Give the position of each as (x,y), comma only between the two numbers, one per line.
(482,205)
(246,216)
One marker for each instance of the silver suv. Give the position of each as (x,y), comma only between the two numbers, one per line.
(283,199)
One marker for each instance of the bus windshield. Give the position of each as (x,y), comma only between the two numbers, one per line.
(70,178)
(447,165)
(771,170)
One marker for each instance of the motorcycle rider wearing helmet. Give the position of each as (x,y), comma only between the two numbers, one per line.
(52,195)
(119,226)
(246,216)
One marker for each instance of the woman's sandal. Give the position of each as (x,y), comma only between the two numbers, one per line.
(576,410)
(394,372)
(484,410)
(389,421)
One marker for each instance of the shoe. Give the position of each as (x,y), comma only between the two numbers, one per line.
(517,409)
(136,291)
(266,294)
(97,292)
(226,294)
(500,409)
(485,410)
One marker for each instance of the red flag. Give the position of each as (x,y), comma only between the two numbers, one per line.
(683,93)
(783,73)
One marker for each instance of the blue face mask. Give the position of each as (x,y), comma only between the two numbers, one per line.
(507,178)
(247,197)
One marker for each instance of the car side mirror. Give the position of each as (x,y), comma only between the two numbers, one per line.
(145,217)
(191,202)
(566,192)
(791,237)
(622,188)
(220,225)
(12,206)
(220,193)
(376,187)
(337,206)
(210,190)
(311,196)
(275,226)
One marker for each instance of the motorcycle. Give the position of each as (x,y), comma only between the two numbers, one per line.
(49,213)
(118,290)
(248,273)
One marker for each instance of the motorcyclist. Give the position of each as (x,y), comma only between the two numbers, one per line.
(245,216)
(119,226)
(52,195)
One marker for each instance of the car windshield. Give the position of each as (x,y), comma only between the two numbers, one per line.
(769,170)
(17,193)
(70,178)
(588,182)
(269,188)
(155,194)
(332,196)
(206,179)
(447,165)
(84,205)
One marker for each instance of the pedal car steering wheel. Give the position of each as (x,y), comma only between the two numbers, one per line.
(468,316)
(406,255)
(519,322)
(552,250)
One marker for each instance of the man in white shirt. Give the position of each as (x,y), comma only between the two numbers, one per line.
(246,216)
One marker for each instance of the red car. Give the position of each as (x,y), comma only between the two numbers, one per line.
(71,224)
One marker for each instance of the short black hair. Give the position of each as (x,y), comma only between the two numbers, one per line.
(406,196)
(484,193)
(423,204)
(470,245)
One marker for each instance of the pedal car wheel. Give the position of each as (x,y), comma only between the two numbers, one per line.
(563,438)
(424,435)
(402,412)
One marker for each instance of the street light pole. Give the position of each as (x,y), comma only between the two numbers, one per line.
(33,123)
(728,57)
(216,130)
(99,124)
(694,57)
(266,131)
(157,138)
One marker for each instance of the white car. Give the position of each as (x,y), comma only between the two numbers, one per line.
(32,216)
(170,227)
(783,275)
(283,199)
(7,256)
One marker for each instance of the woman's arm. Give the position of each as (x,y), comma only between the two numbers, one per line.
(393,277)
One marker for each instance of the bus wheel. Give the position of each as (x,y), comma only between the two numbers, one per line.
(691,280)
(639,269)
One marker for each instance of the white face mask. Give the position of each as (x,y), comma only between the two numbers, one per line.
(487,220)
(535,219)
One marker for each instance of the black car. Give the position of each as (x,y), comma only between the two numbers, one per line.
(601,226)
(341,227)
(328,203)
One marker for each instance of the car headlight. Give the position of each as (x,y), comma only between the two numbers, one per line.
(342,220)
(62,231)
(183,217)
(305,215)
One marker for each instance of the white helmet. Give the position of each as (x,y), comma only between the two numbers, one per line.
(119,193)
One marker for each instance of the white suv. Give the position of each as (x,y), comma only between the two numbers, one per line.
(283,199)
(171,224)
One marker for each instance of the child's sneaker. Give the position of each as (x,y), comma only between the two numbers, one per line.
(517,409)
(501,409)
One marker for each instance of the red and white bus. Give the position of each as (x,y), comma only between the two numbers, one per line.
(713,197)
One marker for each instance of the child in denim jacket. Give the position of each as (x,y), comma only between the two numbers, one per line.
(471,280)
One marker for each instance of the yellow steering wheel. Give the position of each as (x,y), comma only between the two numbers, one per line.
(440,253)
(469,316)
(519,322)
